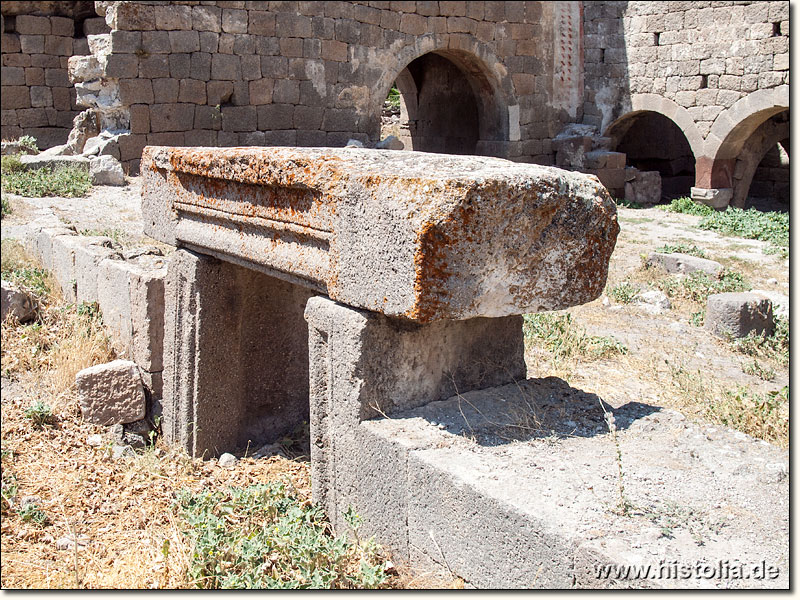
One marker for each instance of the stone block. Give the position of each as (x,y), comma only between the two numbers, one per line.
(226,67)
(41,96)
(738,314)
(16,76)
(63,264)
(207,18)
(612,179)
(180,66)
(239,118)
(16,303)
(9,42)
(261,91)
(603,159)
(171,117)
(136,91)
(156,42)
(397,368)
(113,297)
(121,66)
(429,269)
(111,393)
(89,253)
(212,409)
(15,97)
(717,198)
(151,67)
(184,41)
(334,50)
(261,23)
(234,21)
(147,317)
(684,264)
(32,25)
(106,170)
(165,90)
(286,91)
(31,44)
(131,16)
(192,91)
(644,188)
(173,17)
(57,78)
(57,45)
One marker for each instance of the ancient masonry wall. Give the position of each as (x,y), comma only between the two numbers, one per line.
(317,73)
(704,56)
(38,98)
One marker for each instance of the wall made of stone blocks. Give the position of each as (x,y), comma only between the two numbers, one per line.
(314,73)
(702,55)
(38,98)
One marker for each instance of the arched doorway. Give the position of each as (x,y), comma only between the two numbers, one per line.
(653,142)
(449,104)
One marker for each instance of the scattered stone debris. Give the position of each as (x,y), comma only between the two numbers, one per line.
(354,144)
(68,541)
(15,147)
(653,301)
(106,170)
(95,440)
(111,393)
(16,302)
(118,452)
(739,313)
(780,302)
(390,143)
(683,264)
(227,460)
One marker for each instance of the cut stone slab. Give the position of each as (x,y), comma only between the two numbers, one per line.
(111,393)
(415,235)
(717,198)
(106,170)
(517,487)
(16,302)
(40,161)
(737,314)
(603,159)
(684,264)
(643,187)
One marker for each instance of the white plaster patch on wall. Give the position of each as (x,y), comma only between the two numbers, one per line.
(513,123)
(315,71)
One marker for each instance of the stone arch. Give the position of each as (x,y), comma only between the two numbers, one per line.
(491,85)
(731,129)
(658,135)
(766,137)
(667,108)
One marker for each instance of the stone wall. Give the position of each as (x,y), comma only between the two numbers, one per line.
(317,73)
(704,56)
(38,98)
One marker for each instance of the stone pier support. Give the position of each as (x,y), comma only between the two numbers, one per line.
(236,368)
(365,365)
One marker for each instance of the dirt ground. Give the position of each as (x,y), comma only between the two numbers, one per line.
(121,511)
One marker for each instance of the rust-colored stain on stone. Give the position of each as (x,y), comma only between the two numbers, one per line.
(413,235)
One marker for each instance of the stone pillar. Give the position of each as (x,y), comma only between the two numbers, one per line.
(718,198)
(366,365)
(236,356)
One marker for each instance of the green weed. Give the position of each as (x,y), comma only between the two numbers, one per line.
(698,286)
(563,339)
(5,206)
(765,416)
(688,206)
(40,413)
(756,369)
(31,513)
(118,235)
(775,346)
(752,224)
(394,97)
(65,182)
(682,249)
(29,142)
(627,203)
(624,292)
(264,537)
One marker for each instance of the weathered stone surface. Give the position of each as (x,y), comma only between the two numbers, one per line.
(16,302)
(643,187)
(390,143)
(111,393)
(715,198)
(677,262)
(737,314)
(653,301)
(106,170)
(39,161)
(364,365)
(414,235)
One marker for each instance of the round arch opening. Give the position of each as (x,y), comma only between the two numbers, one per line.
(443,102)
(653,142)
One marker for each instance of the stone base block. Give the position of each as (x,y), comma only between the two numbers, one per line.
(683,264)
(715,198)
(737,314)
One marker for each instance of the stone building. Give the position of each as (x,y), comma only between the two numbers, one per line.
(693,93)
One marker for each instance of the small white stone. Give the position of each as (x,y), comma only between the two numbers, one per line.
(227,460)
